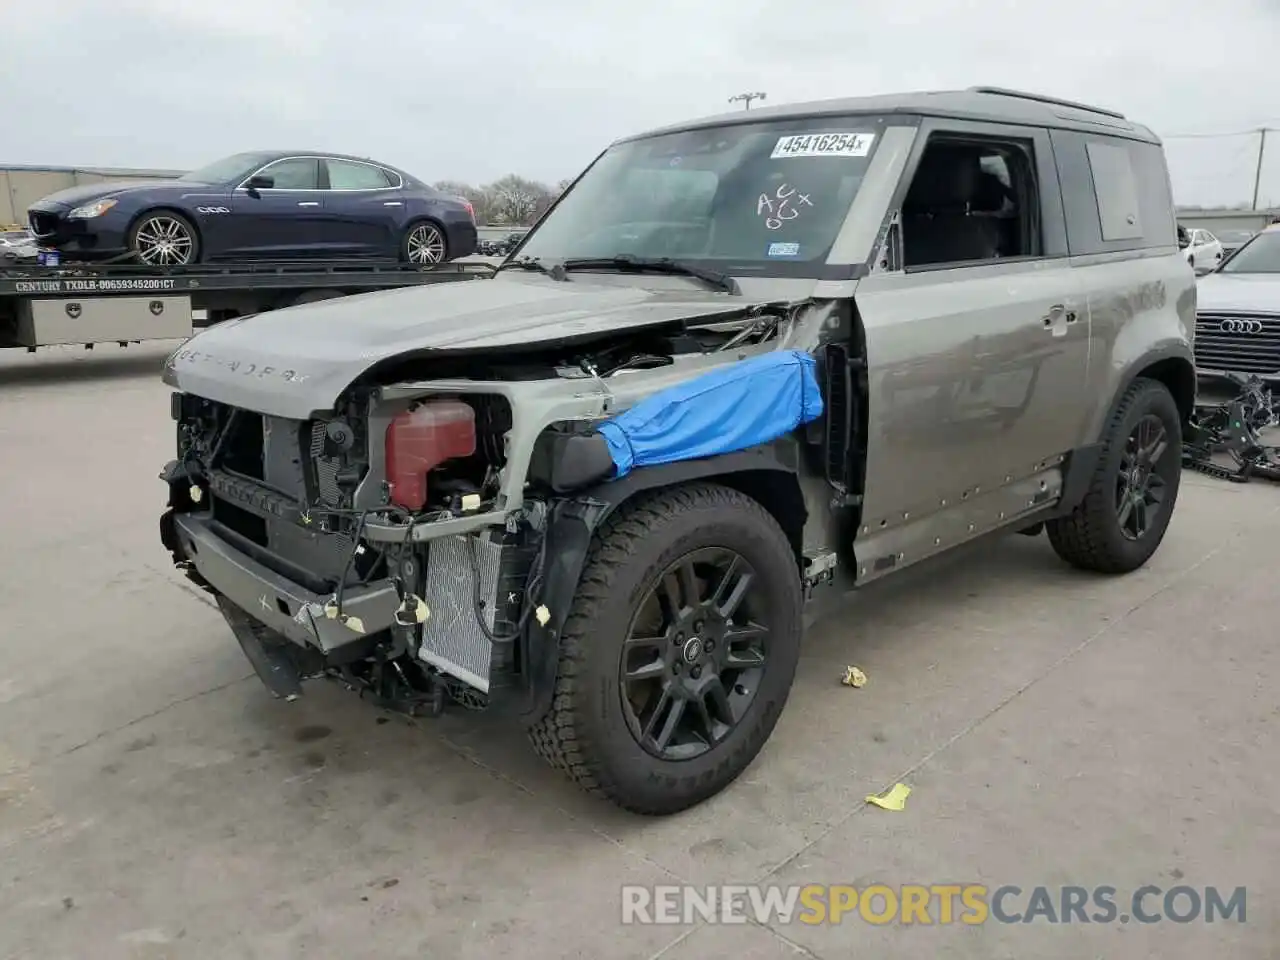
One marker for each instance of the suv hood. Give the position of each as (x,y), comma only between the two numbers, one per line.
(295,362)
(78,196)
(1247,292)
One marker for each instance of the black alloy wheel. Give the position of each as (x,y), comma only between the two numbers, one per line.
(693,655)
(1130,499)
(1141,482)
(678,652)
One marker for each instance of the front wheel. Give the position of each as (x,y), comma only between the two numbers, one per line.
(679,651)
(1124,515)
(164,239)
(424,243)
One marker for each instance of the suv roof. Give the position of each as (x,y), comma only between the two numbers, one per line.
(991,104)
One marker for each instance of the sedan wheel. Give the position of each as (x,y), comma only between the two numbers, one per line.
(164,240)
(425,244)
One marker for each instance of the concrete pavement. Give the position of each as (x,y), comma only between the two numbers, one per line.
(1056,729)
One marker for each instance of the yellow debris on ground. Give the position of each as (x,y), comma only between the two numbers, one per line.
(895,799)
(853,677)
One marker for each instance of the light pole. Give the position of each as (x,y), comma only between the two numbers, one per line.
(1262,149)
(746,98)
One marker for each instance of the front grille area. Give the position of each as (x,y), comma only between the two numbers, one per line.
(264,466)
(1238,342)
(324,468)
(43,224)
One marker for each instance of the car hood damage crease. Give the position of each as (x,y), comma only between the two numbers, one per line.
(297,361)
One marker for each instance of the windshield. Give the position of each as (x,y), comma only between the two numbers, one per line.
(235,167)
(1259,255)
(764,198)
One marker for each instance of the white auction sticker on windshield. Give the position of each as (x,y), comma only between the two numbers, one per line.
(823,145)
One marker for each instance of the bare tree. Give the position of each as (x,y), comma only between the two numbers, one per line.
(509,201)
(515,200)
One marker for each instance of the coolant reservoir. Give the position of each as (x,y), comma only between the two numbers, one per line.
(421,439)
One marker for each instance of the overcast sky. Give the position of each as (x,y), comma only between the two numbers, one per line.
(473,90)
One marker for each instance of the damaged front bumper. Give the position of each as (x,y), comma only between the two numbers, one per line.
(362,635)
(275,601)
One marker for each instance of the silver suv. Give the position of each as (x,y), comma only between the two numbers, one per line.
(742,363)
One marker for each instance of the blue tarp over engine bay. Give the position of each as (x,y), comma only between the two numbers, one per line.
(731,408)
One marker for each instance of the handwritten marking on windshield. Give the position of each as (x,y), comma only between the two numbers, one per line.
(784,205)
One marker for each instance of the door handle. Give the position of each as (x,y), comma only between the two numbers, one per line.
(308,203)
(392,203)
(1058,312)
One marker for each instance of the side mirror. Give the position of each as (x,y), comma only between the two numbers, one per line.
(259,182)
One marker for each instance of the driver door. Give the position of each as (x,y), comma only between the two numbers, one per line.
(977,363)
(280,221)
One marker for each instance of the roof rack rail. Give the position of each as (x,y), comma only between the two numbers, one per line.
(1040,98)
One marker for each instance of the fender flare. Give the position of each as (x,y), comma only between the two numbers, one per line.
(1083,461)
(572,525)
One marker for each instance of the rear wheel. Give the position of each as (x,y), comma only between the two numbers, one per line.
(424,242)
(1124,515)
(679,650)
(164,238)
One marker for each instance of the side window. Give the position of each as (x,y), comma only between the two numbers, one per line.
(1116,190)
(971,200)
(344,175)
(1208,237)
(1116,193)
(294,173)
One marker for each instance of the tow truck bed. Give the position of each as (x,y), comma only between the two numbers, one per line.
(89,303)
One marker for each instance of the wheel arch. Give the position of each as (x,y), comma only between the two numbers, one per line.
(767,474)
(1172,367)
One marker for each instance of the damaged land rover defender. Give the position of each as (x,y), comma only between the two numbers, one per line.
(741,364)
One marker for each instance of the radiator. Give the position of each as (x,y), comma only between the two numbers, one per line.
(452,640)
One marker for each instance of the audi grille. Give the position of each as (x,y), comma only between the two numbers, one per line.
(1235,342)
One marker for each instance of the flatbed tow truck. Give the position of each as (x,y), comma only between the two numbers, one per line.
(79,303)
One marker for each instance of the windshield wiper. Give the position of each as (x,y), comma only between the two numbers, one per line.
(555,270)
(627,261)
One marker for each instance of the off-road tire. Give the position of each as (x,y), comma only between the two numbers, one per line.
(1090,537)
(585,733)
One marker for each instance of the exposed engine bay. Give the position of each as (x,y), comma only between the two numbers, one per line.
(406,531)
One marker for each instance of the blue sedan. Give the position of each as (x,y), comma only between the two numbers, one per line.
(259,206)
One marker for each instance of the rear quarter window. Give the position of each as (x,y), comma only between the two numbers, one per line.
(1116,193)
